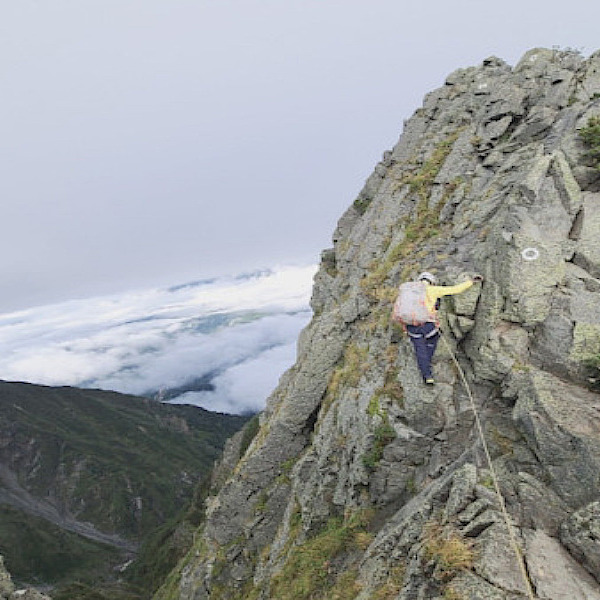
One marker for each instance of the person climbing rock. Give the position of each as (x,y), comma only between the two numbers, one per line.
(416,308)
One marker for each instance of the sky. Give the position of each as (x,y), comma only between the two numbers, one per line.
(147,142)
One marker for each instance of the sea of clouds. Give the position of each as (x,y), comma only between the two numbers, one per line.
(221,343)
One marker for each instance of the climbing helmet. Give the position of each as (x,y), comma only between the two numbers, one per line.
(425,276)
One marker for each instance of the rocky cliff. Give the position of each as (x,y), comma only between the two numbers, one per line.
(364,483)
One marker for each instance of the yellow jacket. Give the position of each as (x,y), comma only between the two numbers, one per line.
(434,292)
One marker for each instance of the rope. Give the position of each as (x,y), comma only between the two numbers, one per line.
(511,533)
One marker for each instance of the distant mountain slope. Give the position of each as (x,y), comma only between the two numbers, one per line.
(101,465)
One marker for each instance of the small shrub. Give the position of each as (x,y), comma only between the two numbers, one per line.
(392,388)
(286,469)
(295,521)
(590,136)
(487,481)
(373,408)
(384,434)
(411,486)
(261,505)
(362,203)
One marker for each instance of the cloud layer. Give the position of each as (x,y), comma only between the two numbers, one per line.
(230,337)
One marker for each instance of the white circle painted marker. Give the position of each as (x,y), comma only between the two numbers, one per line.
(530,254)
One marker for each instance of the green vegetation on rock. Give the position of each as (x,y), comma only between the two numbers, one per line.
(590,135)
(306,573)
(384,434)
(420,181)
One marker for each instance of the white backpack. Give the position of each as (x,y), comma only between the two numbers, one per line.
(410,307)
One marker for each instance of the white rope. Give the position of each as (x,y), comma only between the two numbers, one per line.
(511,533)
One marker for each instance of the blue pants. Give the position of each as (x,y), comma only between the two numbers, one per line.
(424,338)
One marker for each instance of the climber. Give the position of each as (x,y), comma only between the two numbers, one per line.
(416,308)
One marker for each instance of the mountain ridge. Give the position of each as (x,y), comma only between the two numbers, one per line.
(361,483)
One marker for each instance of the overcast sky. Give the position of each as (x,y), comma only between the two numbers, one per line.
(146,142)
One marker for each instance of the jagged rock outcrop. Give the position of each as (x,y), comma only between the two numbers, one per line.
(363,483)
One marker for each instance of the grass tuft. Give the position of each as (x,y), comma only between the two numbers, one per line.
(448,549)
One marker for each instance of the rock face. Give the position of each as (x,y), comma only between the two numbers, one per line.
(364,483)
